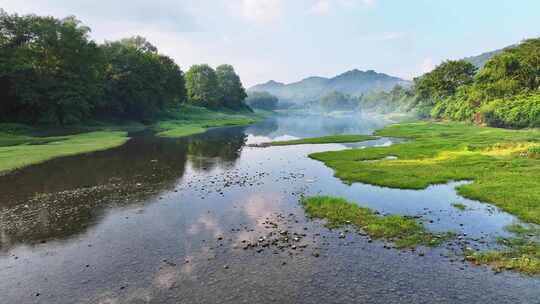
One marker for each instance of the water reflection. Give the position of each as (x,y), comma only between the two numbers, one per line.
(64,197)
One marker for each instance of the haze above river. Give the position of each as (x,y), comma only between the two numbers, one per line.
(166,221)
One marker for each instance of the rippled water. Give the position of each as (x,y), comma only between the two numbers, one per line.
(166,221)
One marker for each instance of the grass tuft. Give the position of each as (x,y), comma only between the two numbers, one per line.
(403,231)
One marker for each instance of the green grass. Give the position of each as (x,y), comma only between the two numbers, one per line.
(324,140)
(30,150)
(498,161)
(404,232)
(521,253)
(192,120)
(459,206)
(22,145)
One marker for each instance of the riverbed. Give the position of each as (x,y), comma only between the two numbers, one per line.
(162,220)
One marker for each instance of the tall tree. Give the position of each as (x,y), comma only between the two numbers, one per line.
(231,89)
(202,86)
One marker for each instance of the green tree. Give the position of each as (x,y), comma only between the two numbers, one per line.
(139,82)
(202,86)
(231,89)
(49,70)
(444,80)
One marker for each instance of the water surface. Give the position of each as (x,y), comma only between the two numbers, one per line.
(167,220)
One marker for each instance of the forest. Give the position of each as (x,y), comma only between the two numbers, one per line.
(503,93)
(52,72)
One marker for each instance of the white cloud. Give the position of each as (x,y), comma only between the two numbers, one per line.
(427,65)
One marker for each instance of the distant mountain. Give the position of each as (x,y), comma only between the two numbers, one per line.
(353,82)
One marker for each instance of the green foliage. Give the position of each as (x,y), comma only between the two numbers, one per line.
(495,159)
(139,82)
(520,111)
(202,86)
(443,81)
(504,93)
(232,91)
(52,73)
(49,70)
(404,231)
(262,100)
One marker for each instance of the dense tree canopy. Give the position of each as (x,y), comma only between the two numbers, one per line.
(49,70)
(202,86)
(139,82)
(503,93)
(232,91)
(52,72)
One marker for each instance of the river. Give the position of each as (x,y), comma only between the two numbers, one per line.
(167,221)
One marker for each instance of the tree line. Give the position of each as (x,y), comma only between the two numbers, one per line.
(52,72)
(504,93)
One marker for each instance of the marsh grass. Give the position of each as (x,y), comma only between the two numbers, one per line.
(520,253)
(324,140)
(403,231)
(495,159)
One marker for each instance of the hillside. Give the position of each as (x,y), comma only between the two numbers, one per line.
(480,60)
(353,82)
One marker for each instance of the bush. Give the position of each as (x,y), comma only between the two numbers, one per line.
(518,112)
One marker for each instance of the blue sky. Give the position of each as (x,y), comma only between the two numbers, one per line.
(287,40)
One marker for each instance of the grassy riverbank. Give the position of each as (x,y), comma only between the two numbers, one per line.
(22,145)
(323,140)
(502,163)
(192,120)
(404,232)
(17,151)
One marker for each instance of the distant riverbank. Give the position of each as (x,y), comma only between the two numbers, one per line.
(22,145)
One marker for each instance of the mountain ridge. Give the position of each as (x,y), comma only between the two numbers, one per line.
(354,82)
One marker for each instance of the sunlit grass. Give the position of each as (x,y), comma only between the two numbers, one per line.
(404,232)
(36,150)
(497,160)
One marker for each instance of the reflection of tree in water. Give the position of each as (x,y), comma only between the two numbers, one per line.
(216,148)
(63,197)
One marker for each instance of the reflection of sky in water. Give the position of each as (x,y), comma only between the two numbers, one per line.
(165,249)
